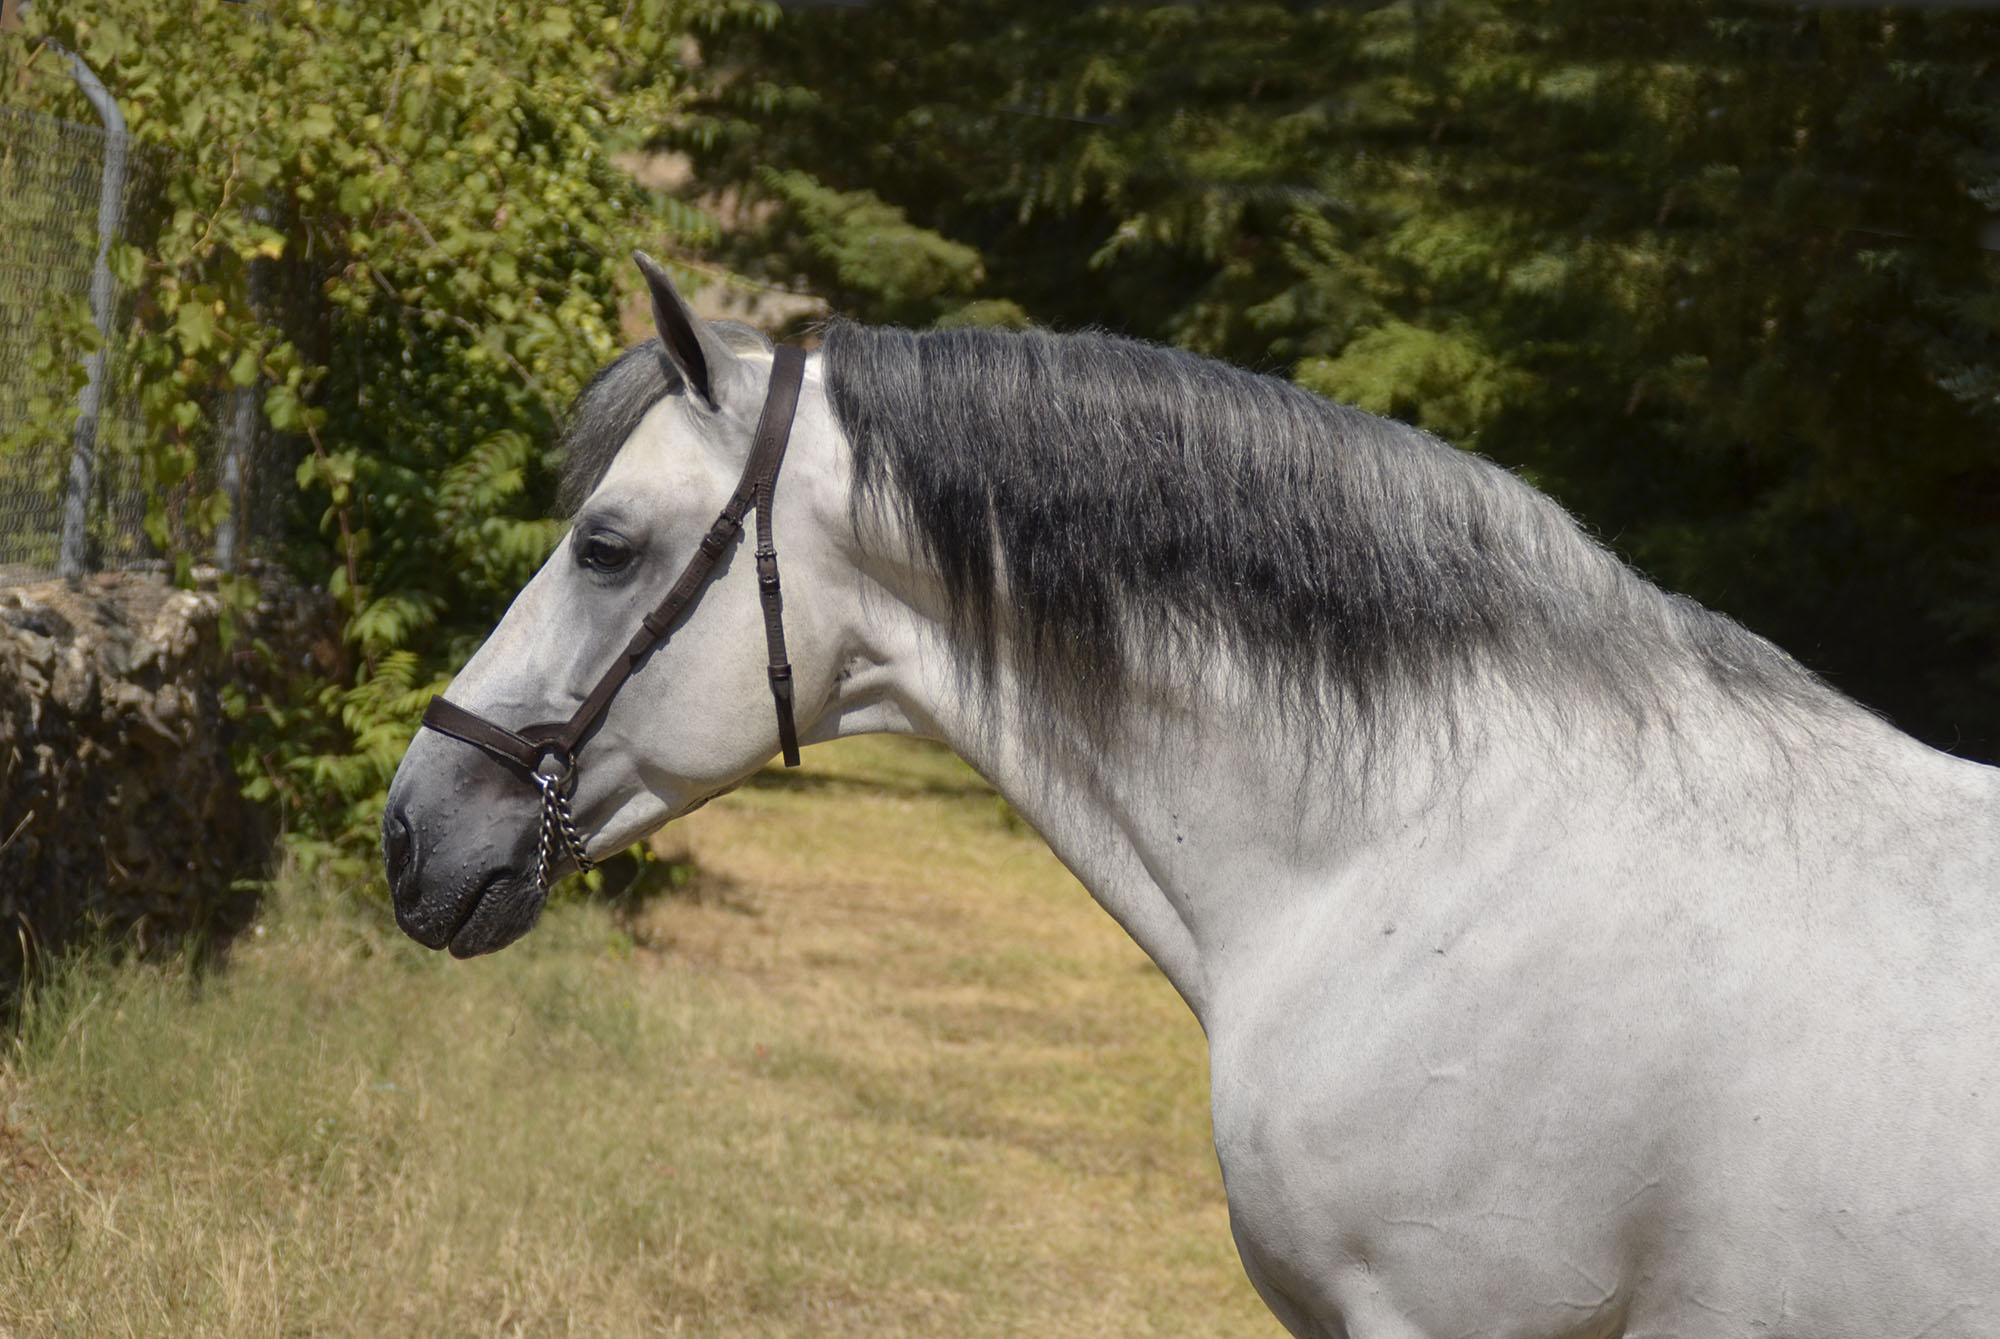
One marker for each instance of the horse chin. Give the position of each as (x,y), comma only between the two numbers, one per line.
(477,918)
(505,908)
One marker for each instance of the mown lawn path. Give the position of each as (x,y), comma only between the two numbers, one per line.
(881,1068)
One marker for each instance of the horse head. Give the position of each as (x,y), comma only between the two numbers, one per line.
(487,806)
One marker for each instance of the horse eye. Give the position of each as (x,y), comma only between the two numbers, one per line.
(602,552)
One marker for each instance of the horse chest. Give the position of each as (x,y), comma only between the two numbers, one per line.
(1410,1155)
(1416,1199)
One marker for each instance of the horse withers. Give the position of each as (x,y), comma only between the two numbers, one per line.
(1572,962)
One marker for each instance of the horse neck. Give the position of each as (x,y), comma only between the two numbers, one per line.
(1202,837)
(1216,840)
(1212,827)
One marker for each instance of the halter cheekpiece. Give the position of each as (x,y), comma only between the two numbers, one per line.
(546,753)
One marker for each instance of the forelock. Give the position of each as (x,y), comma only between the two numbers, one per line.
(607,414)
(611,407)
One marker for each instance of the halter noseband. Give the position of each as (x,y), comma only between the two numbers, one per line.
(546,753)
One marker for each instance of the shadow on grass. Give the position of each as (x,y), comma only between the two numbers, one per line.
(197,930)
(632,882)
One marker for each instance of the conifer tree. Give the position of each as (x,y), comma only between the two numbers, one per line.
(1714,274)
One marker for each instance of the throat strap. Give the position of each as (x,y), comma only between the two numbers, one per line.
(774,429)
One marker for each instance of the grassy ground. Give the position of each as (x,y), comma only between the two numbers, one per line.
(882,1069)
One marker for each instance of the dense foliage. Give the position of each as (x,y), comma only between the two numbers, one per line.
(1718,275)
(401,224)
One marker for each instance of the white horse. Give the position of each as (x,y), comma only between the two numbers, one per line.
(1572,962)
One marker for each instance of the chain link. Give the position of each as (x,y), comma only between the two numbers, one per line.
(558,828)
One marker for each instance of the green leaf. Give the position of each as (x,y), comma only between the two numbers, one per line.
(127,263)
(243,372)
(316,122)
(357,197)
(555,25)
(194,328)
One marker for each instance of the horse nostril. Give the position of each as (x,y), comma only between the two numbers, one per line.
(397,847)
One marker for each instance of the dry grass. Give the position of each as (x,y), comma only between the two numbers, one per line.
(884,1070)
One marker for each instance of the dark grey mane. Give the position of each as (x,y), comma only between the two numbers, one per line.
(1129,511)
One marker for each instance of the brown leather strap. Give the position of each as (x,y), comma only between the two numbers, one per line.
(448,718)
(530,745)
(779,408)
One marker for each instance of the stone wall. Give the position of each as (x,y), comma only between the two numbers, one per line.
(120,812)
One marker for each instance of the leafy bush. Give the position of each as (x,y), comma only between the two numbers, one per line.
(402,223)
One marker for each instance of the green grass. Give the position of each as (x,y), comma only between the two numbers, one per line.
(881,1068)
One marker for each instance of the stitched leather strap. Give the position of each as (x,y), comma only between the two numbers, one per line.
(527,747)
(780,406)
(448,718)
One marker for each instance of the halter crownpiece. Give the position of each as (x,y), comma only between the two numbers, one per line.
(546,753)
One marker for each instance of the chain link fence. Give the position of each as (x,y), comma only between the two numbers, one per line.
(51,176)
(52,204)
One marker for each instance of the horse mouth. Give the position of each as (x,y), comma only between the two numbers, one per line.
(505,908)
(500,910)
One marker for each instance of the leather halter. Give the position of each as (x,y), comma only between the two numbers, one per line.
(547,752)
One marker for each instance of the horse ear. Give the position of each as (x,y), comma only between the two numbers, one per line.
(703,361)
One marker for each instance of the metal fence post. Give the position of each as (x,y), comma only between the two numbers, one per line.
(236,453)
(74,553)
(246,422)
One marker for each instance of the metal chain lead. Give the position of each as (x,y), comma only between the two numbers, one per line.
(558,827)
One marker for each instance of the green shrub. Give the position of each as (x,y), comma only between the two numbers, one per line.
(401,222)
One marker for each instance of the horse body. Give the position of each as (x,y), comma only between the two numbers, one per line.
(1593,1046)
(1537,1007)
(1576,1088)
